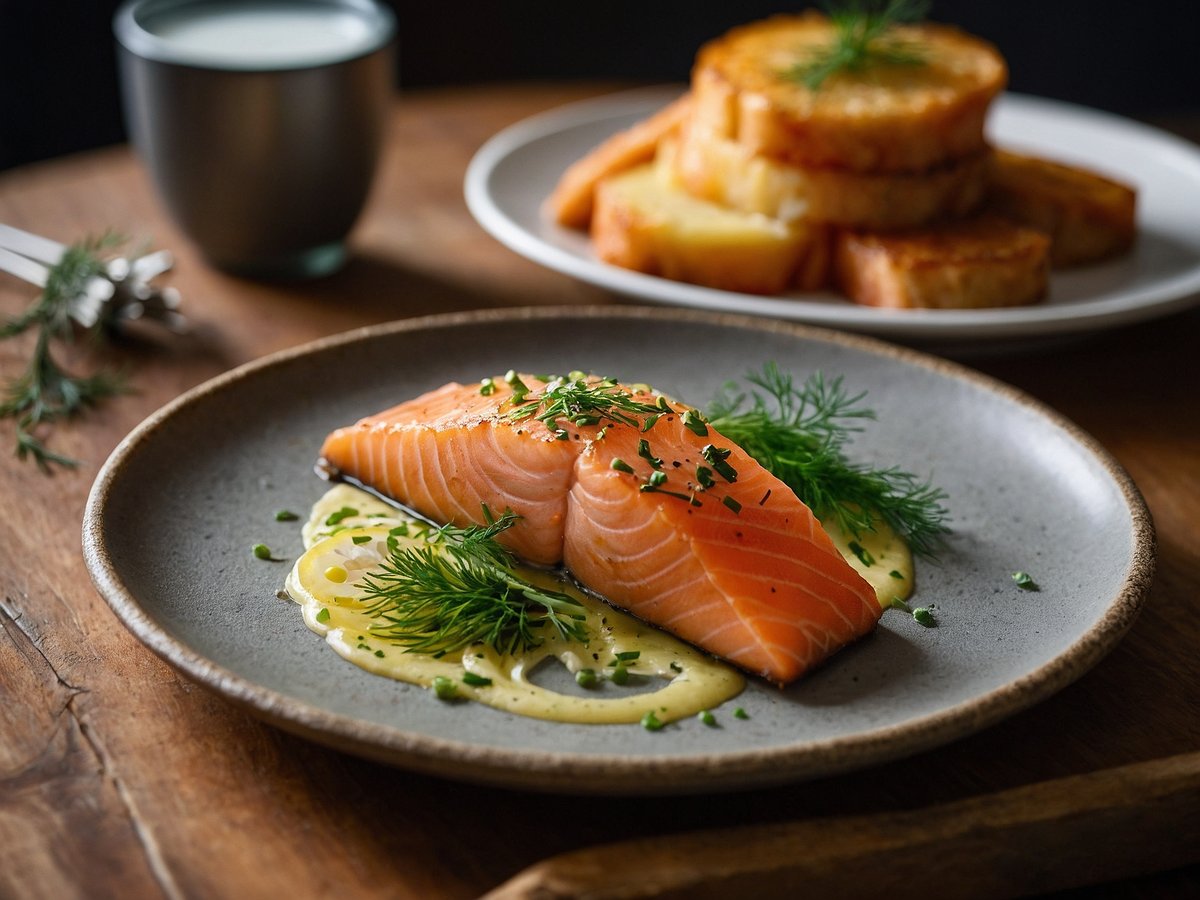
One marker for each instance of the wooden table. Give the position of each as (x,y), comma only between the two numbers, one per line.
(118,778)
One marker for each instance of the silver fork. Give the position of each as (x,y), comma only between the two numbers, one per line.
(121,294)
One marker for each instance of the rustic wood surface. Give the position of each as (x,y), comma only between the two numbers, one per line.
(119,778)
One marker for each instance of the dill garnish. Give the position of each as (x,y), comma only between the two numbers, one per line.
(798,433)
(45,392)
(459,588)
(862,39)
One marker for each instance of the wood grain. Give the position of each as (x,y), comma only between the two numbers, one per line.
(118,778)
(1047,836)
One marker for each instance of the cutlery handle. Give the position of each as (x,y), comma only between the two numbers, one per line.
(1069,832)
(34,246)
(23,267)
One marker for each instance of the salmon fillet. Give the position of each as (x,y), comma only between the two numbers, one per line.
(682,529)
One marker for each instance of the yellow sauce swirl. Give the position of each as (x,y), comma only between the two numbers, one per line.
(324,581)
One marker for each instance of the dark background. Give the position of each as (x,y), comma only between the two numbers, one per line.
(1140,58)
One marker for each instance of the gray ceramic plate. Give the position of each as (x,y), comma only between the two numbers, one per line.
(175,510)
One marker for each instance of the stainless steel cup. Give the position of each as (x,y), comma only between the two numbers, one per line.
(262,144)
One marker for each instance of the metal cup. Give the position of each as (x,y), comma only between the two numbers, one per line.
(260,121)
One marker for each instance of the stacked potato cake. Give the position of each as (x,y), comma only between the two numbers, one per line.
(876,179)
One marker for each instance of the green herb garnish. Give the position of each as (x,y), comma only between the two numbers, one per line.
(707,718)
(458,589)
(336,518)
(585,678)
(798,434)
(261,551)
(323,615)
(1025,582)
(651,722)
(581,400)
(716,457)
(694,422)
(924,616)
(863,554)
(863,37)
(476,680)
(444,688)
(285,515)
(46,392)
(740,713)
(644,453)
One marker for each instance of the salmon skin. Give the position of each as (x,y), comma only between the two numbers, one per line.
(645,504)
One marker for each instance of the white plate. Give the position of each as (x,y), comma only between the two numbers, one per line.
(513,173)
(175,510)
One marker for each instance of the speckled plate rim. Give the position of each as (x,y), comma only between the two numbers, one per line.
(612,773)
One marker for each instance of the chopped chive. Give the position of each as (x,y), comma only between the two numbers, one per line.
(400,530)
(662,404)
(323,615)
(704,476)
(620,675)
(519,388)
(444,688)
(644,453)
(620,465)
(285,515)
(585,678)
(476,680)
(601,433)
(487,387)
(379,653)
(897,603)
(716,457)
(765,497)
(895,574)
(361,538)
(924,616)
(707,718)
(344,513)
(863,554)
(651,722)
(261,551)
(676,667)
(657,479)
(1025,582)
(650,422)
(732,504)
(740,713)
(628,655)
(694,422)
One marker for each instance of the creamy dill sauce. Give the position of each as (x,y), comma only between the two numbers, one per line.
(324,580)
(881,558)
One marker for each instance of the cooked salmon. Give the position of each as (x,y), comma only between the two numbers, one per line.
(662,517)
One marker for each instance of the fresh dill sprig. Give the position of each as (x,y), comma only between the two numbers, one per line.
(797,432)
(580,400)
(45,392)
(863,37)
(459,589)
